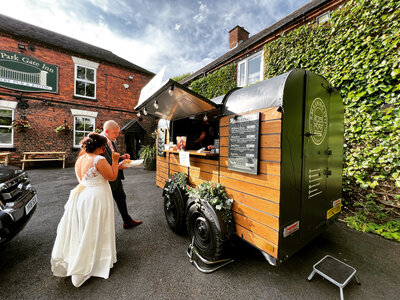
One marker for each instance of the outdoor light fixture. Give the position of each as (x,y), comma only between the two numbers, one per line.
(145,111)
(171,90)
(126,86)
(21,46)
(130,77)
(205,118)
(155,104)
(138,114)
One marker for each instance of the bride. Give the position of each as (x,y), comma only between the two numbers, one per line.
(85,242)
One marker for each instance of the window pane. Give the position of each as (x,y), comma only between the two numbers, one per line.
(79,125)
(79,137)
(90,74)
(5,117)
(80,88)
(5,135)
(80,72)
(90,90)
(242,74)
(89,124)
(254,69)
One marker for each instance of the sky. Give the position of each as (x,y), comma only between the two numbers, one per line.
(183,35)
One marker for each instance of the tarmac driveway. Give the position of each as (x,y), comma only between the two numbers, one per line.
(152,261)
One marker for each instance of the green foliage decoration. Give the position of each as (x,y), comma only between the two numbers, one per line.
(179,78)
(358,52)
(148,153)
(177,180)
(217,83)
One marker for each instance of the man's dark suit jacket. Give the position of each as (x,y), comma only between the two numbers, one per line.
(108,155)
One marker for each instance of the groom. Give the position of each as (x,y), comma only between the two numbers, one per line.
(111,131)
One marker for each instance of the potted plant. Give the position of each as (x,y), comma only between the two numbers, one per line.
(21,125)
(99,129)
(148,153)
(63,128)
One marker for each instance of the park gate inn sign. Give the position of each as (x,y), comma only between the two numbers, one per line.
(24,73)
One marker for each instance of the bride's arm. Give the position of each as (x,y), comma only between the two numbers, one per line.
(109,172)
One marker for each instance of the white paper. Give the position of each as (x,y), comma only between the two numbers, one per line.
(184,158)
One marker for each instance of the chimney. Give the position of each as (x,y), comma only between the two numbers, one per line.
(237,35)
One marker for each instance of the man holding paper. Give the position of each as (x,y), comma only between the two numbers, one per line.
(111,131)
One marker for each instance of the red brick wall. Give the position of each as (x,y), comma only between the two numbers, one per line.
(46,116)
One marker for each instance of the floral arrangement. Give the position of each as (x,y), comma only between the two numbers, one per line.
(21,124)
(99,129)
(215,194)
(176,180)
(64,127)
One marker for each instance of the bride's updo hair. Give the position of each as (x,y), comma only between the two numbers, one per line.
(92,142)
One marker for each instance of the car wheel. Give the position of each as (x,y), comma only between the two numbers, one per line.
(174,209)
(203,229)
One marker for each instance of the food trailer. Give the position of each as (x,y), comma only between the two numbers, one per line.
(278,152)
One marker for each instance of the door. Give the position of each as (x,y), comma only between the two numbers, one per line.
(315,155)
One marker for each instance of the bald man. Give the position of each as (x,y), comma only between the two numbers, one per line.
(111,131)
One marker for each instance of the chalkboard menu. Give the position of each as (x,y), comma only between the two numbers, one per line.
(244,132)
(161,142)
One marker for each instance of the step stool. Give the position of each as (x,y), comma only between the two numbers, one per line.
(335,271)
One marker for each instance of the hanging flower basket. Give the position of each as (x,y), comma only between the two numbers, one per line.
(98,129)
(63,128)
(21,125)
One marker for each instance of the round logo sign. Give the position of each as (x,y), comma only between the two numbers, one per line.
(318,121)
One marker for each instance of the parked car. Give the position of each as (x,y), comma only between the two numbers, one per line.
(18,201)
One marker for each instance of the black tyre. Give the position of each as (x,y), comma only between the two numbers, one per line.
(204,225)
(174,209)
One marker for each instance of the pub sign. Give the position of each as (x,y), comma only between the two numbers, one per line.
(24,73)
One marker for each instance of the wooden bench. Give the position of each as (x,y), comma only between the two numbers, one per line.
(43,156)
(4,157)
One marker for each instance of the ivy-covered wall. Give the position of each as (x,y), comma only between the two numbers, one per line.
(358,51)
(217,83)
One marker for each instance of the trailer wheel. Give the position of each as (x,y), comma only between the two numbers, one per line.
(202,226)
(174,209)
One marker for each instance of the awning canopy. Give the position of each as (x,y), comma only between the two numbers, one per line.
(170,101)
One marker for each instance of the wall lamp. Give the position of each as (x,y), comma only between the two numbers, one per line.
(145,111)
(126,86)
(130,77)
(171,90)
(138,114)
(155,104)
(21,46)
(205,118)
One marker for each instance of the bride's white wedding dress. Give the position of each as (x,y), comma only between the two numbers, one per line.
(85,242)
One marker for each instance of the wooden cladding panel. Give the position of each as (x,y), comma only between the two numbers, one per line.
(257,241)
(266,167)
(266,232)
(177,168)
(263,205)
(266,114)
(256,215)
(252,189)
(266,180)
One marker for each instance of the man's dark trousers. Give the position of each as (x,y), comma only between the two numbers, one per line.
(118,189)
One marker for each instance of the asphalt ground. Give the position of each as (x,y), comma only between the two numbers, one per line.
(152,261)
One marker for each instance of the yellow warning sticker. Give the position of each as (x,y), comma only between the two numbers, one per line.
(333,211)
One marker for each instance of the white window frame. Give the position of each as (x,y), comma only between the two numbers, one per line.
(8,105)
(246,68)
(87,64)
(83,114)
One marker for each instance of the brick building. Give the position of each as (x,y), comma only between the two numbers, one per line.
(247,52)
(49,79)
